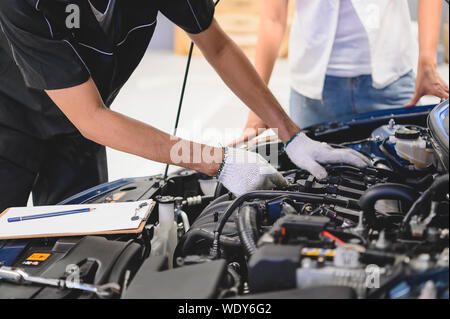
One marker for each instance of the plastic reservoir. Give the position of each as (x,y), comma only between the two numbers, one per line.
(412,147)
(165,236)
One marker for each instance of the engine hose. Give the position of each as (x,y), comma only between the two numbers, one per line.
(195,234)
(421,183)
(385,191)
(395,164)
(220,190)
(438,189)
(236,278)
(311,198)
(197,200)
(246,224)
(211,213)
(235,283)
(220,199)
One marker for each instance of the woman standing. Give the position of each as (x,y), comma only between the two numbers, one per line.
(349,57)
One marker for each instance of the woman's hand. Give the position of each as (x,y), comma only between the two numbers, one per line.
(429,82)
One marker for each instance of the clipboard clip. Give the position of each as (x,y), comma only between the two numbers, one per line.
(137,210)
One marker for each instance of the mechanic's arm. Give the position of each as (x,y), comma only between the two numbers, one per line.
(240,171)
(272,28)
(241,77)
(83,106)
(429,82)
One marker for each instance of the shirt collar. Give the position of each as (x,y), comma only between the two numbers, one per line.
(100,16)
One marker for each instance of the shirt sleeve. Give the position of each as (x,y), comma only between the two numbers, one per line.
(193,16)
(45,62)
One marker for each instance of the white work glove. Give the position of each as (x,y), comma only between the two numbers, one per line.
(244,171)
(307,154)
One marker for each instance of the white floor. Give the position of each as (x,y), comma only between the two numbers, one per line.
(152,94)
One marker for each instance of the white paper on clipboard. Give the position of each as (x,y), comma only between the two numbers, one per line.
(105,218)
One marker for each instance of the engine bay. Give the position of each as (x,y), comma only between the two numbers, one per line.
(379,232)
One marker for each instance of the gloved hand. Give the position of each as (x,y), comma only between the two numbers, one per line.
(307,154)
(244,171)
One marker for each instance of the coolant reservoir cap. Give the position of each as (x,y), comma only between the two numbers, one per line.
(407,134)
(165,199)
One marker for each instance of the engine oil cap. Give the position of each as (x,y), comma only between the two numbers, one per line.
(407,134)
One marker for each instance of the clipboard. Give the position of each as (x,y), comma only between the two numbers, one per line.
(106,219)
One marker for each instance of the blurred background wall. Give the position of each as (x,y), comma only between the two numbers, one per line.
(240,17)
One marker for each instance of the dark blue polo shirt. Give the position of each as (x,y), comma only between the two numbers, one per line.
(39,50)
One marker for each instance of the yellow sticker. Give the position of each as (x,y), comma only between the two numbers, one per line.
(39,257)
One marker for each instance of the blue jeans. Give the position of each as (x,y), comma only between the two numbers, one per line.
(344,97)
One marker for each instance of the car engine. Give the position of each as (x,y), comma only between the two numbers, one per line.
(379,232)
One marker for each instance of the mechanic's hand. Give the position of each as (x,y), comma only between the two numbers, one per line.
(428,82)
(307,154)
(254,127)
(244,171)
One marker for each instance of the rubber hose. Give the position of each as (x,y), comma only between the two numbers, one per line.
(220,199)
(194,234)
(395,164)
(246,227)
(438,189)
(385,191)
